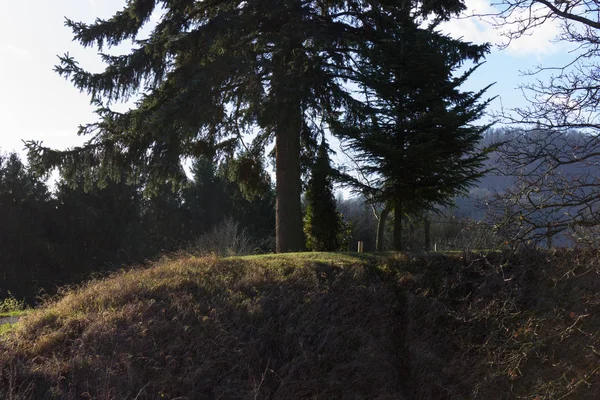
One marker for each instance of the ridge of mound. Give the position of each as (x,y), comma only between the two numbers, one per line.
(318,326)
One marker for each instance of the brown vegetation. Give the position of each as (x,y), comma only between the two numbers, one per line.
(319,326)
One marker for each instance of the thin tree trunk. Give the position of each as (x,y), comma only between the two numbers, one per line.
(398,226)
(427,233)
(379,241)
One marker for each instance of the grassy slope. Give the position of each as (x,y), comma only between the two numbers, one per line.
(6,318)
(319,326)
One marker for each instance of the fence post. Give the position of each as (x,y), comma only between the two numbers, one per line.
(360,246)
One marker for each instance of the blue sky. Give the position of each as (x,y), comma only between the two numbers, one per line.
(36,104)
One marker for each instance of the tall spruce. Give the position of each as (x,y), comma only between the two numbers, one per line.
(210,71)
(322,222)
(414,134)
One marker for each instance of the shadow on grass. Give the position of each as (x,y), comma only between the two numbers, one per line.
(320,326)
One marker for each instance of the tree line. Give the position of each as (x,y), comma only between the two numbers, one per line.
(65,233)
(61,236)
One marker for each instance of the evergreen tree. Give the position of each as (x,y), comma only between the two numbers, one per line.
(97,228)
(414,134)
(252,206)
(26,250)
(164,220)
(203,198)
(236,189)
(322,223)
(210,71)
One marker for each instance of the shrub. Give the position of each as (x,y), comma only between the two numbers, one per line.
(225,239)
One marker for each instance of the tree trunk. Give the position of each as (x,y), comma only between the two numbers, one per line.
(398,226)
(427,223)
(289,235)
(288,105)
(379,241)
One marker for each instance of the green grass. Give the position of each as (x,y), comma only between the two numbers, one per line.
(341,259)
(9,327)
(15,313)
(6,328)
(10,308)
(319,326)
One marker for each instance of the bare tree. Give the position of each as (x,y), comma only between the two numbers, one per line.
(555,189)
(555,154)
(569,98)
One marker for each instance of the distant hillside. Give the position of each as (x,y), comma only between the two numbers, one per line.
(319,326)
(496,181)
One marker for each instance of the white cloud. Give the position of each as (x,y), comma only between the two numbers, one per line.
(18,52)
(473,29)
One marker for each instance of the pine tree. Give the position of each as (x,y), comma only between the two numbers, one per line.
(203,198)
(96,227)
(322,223)
(26,248)
(209,72)
(414,133)
(249,199)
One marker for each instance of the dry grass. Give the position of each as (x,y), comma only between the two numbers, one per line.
(498,326)
(209,328)
(318,326)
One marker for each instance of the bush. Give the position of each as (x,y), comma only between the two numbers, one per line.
(11,305)
(225,239)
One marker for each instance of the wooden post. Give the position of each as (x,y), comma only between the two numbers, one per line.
(360,246)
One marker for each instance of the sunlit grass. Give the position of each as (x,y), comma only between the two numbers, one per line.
(6,327)
(16,313)
(345,258)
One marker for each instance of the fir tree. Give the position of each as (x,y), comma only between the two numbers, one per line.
(209,72)
(322,223)
(414,133)
(96,227)
(203,198)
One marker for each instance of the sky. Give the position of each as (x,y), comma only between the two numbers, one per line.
(37,104)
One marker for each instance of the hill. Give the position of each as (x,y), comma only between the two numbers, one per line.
(318,326)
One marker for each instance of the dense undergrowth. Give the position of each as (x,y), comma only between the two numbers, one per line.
(319,326)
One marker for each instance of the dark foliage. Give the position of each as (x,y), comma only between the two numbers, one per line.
(27,254)
(49,239)
(209,72)
(322,223)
